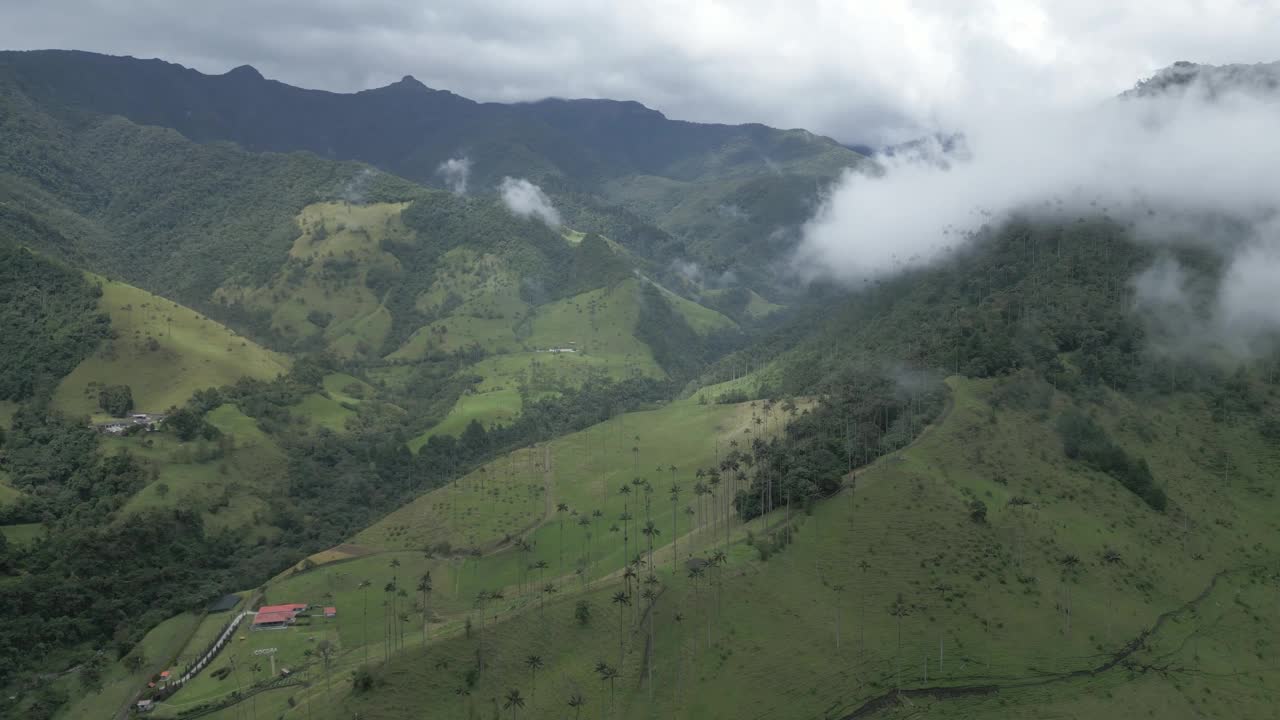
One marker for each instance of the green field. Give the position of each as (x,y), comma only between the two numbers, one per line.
(346,389)
(22,534)
(164,352)
(7,409)
(161,645)
(324,412)
(981,603)
(322,288)
(227,480)
(580,470)
(8,493)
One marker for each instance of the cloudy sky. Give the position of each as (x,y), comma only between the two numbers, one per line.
(855,69)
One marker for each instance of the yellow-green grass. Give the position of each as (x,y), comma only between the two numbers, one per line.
(226,480)
(337,584)
(496,399)
(158,648)
(701,318)
(164,352)
(599,322)
(484,284)
(517,495)
(323,411)
(7,409)
(22,533)
(993,595)
(346,389)
(455,333)
(757,306)
(487,408)
(8,493)
(353,234)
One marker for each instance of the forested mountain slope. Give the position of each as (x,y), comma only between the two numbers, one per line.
(718,188)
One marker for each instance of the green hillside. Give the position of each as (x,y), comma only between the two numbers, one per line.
(992,605)
(164,352)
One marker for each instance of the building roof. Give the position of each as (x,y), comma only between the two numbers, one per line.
(331,611)
(267,618)
(287,607)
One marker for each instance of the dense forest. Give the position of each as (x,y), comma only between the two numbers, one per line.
(49,319)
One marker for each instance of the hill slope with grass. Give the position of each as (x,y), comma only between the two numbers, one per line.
(163,352)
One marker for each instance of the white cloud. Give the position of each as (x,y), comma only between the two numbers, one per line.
(525,199)
(455,172)
(1164,163)
(857,71)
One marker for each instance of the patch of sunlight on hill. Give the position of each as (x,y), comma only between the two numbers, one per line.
(599,323)
(702,319)
(346,389)
(518,492)
(228,480)
(322,288)
(164,352)
(8,493)
(323,412)
(455,333)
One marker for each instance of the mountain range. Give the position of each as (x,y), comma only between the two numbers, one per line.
(585,446)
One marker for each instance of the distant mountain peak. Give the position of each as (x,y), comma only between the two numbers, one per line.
(1210,80)
(245,71)
(408,82)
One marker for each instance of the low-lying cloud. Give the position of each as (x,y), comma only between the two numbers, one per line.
(525,199)
(1184,167)
(455,172)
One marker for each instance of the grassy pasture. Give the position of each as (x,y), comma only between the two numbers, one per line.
(164,352)
(991,602)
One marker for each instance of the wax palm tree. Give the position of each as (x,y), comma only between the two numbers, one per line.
(899,609)
(325,648)
(548,589)
(364,586)
(718,560)
(534,663)
(576,701)
(395,565)
(389,591)
(561,509)
(424,587)
(513,702)
(607,674)
(674,493)
(625,492)
(864,566)
(628,574)
(713,484)
(650,531)
(404,617)
(254,669)
(585,523)
(482,597)
(622,601)
(695,574)
(650,596)
(699,489)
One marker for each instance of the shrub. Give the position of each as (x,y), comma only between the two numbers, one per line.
(116,400)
